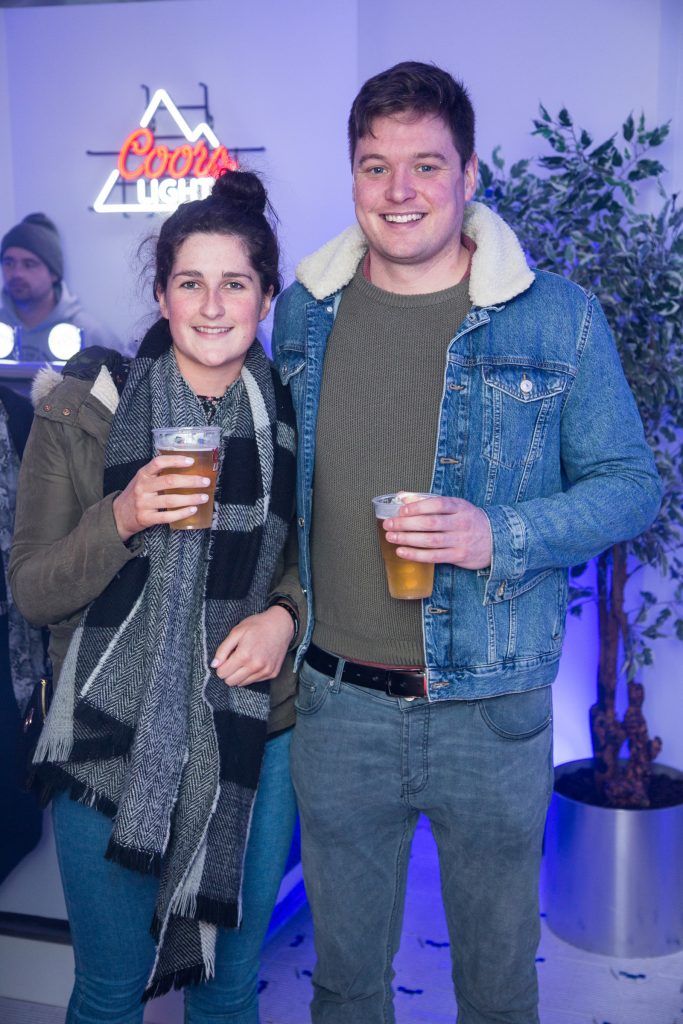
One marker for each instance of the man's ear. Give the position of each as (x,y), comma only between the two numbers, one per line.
(471,174)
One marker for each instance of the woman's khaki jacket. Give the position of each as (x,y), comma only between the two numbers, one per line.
(66,547)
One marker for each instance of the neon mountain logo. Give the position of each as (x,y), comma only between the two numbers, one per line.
(152,177)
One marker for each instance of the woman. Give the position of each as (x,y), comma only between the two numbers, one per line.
(143,726)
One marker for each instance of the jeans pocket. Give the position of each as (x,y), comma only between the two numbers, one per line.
(312,692)
(518,716)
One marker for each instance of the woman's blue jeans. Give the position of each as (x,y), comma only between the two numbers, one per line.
(365,766)
(110,910)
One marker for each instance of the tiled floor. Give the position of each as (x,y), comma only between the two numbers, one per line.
(576,987)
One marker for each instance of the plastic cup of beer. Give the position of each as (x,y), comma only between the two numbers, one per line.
(201,444)
(407,580)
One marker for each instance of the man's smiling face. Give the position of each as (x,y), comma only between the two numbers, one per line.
(410,190)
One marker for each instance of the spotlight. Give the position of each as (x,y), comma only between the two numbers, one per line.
(64,341)
(7,341)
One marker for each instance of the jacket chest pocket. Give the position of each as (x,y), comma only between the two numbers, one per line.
(519,404)
(290,362)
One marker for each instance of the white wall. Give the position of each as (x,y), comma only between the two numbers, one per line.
(279,75)
(6,179)
(601,60)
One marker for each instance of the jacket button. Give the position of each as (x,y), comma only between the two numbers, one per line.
(300,521)
(330,309)
(47,407)
(527,386)
(501,590)
(66,412)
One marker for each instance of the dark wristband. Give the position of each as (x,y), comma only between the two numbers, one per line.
(289,605)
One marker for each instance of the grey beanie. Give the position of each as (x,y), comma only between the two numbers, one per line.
(37,233)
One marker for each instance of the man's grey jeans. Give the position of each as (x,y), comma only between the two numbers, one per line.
(365,765)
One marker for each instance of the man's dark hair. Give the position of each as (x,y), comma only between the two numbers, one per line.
(412,87)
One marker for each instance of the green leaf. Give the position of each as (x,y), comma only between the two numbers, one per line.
(497,158)
(544,113)
(678,626)
(645,169)
(602,150)
(519,168)
(485,174)
(627,128)
(564,118)
(585,141)
(541,129)
(552,161)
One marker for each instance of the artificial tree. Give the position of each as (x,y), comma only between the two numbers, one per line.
(599,214)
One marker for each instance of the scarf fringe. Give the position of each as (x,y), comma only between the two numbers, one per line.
(47,780)
(178,979)
(206,909)
(146,862)
(218,912)
(52,748)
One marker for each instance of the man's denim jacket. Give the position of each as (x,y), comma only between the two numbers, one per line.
(537,426)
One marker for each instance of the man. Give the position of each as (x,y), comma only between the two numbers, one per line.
(35,298)
(423,354)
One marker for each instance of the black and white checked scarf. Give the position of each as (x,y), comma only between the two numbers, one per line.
(140,727)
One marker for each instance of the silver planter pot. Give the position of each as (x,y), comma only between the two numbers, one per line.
(612,880)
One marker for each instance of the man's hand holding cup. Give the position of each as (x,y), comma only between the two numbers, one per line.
(441,530)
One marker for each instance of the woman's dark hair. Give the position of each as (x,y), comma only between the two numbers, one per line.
(414,88)
(237,206)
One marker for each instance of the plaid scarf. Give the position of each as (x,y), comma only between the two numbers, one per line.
(140,727)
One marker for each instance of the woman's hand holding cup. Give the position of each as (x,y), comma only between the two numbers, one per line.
(146,501)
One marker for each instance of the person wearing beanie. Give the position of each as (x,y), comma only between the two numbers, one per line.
(35,298)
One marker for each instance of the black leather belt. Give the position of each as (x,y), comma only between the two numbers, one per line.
(395,682)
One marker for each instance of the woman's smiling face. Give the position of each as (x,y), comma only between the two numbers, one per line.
(213,302)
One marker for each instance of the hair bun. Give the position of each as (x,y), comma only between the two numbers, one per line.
(241,187)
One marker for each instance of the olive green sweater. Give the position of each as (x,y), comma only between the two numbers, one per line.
(377,425)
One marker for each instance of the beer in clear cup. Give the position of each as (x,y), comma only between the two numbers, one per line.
(200,444)
(407,580)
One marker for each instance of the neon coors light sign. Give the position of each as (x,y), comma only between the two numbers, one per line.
(152,177)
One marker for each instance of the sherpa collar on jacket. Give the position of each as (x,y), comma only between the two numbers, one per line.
(498,273)
(102,388)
